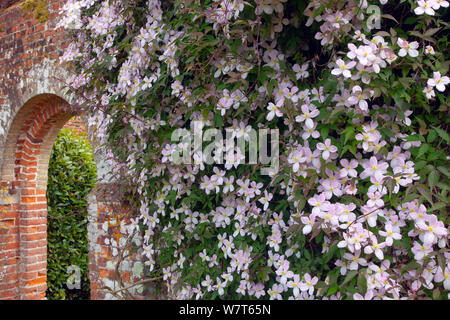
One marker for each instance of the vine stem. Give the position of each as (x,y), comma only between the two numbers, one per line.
(132,285)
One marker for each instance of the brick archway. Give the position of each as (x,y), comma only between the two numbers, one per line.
(24,173)
(24,170)
(30,118)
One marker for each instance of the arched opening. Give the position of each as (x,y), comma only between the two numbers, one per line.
(24,174)
(72,174)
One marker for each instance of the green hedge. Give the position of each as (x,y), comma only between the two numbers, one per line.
(71,176)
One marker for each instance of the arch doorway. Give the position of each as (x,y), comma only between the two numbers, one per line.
(23,200)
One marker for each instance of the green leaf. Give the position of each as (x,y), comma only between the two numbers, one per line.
(362,283)
(431,136)
(218,120)
(333,290)
(307,254)
(444,171)
(444,135)
(414,137)
(423,149)
(350,275)
(433,178)
(437,206)
(349,133)
(387,132)
(441,261)
(431,32)
(425,193)
(413,265)
(436,293)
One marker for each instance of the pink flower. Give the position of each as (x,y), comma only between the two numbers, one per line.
(224,104)
(377,185)
(359,36)
(308,222)
(220,286)
(176,87)
(438,81)
(368,296)
(375,199)
(284,274)
(375,168)
(429,92)
(274,110)
(365,55)
(343,68)
(408,48)
(376,248)
(308,283)
(348,168)
(296,158)
(389,55)
(275,292)
(266,199)
(259,290)
(228,184)
(358,97)
(319,204)
(264,6)
(354,260)
(439,3)
(290,94)
(429,50)
(330,188)
(327,149)
(300,72)
(432,229)
(295,284)
(424,7)
(310,132)
(343,265)
(307,115)
(443,276)
(421,251)
(391,233)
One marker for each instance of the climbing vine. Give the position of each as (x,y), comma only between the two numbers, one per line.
(353,93)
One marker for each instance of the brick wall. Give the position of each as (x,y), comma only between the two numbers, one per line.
(107,246)
(33,108)
(24,42)
(27,153)
(76,124)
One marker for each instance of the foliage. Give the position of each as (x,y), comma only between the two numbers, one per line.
(358,207)
(71,176)
(38,7)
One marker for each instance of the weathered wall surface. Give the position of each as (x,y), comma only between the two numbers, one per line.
(28,60)
(33,108)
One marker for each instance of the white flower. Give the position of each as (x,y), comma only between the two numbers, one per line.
(301,72)
(438,81)
(274,110)
(265,199)
(429,50)
(343,68)
(408,48)
(424,7)
(436,4)
(429,92)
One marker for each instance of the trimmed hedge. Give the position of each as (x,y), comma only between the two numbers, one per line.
(71,176)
